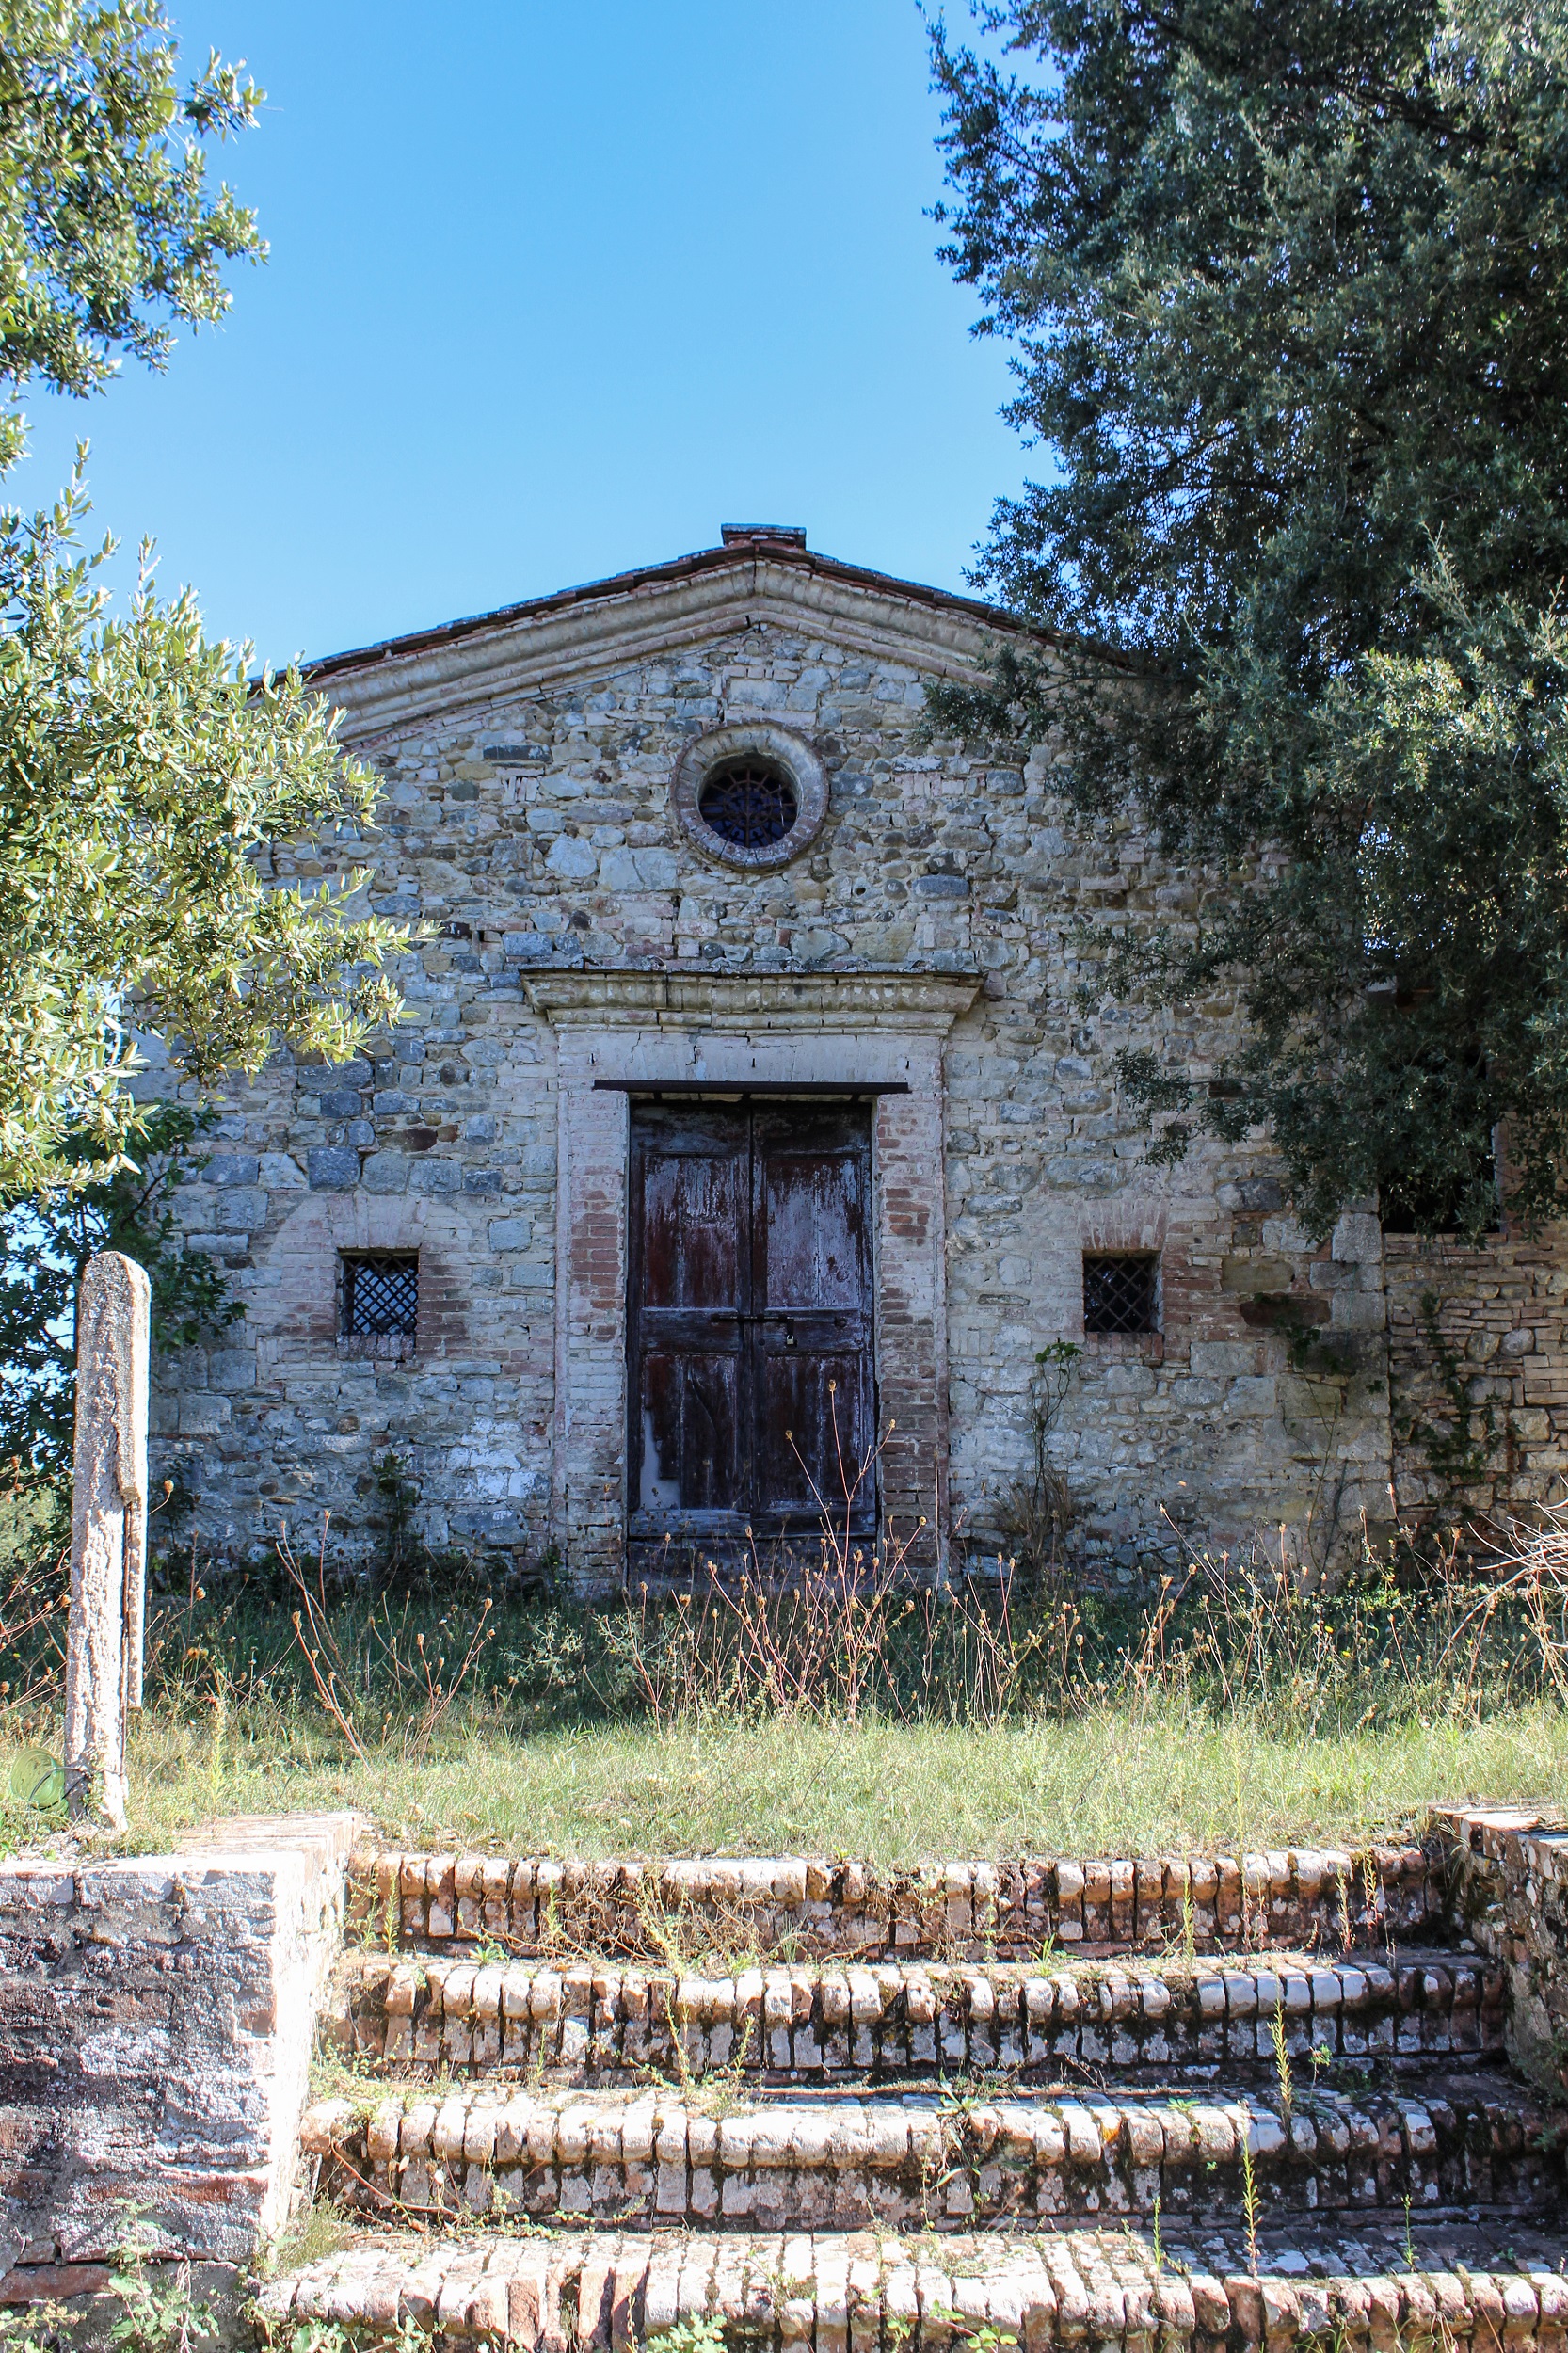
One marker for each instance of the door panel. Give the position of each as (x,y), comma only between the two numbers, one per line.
(689,1399)
(692,1206)
(812,1431)
(812,1226)
(688,1203)
(748,1323)
(811,1280)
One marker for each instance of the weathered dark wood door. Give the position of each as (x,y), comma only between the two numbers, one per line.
(749,1324)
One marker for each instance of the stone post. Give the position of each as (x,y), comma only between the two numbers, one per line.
(108,1532)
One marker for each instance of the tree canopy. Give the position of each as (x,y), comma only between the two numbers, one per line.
(44,1248)
(1288,282)
(143,770)
(108,227)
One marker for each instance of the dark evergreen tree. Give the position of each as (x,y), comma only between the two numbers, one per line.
(1289,285)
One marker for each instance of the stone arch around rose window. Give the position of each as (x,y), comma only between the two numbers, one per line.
(766,751)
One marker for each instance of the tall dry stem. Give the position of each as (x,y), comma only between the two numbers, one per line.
(419,1685)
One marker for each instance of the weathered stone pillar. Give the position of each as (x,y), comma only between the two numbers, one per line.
(108,1532)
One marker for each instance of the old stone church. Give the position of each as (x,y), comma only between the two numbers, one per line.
(747,1141)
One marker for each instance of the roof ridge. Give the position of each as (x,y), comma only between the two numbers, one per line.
(757,549)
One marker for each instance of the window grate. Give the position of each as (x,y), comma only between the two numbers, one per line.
(750,804)
(380,1295)
(1119,1293)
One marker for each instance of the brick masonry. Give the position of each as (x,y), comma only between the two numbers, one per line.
(423,2019)
(825,2292)
(156,2018)
(942,916)
(1010,1909)
(908,2163)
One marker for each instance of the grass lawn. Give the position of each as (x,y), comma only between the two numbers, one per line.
(884,1725)
(1112,1781)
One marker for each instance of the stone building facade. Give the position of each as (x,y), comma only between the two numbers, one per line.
(858,1019)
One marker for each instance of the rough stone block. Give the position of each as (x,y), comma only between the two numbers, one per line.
(1358,1239)
(572,860)
(638,870)
(433,1176)
(332,1168)
(1359,1311)
(201,1414)
(386,1172)
(1250,1275)
(1208,1358)
(241,1211)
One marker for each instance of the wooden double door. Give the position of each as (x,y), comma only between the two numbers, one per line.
(750,1380)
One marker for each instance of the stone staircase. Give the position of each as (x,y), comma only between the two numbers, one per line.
(1165,2101)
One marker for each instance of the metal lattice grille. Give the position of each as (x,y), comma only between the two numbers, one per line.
(380,1295)
(1119,1294)
(748,803)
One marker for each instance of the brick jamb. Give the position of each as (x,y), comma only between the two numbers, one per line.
(876,1033)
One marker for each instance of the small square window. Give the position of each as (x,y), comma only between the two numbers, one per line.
(381,1294)
(1424,1210)
(1121,1294)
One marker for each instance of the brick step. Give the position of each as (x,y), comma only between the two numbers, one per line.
(800,1907)
(928,2160)
(516,2018)
(1360,2287)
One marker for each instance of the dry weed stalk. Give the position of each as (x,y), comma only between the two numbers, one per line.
(1036,1515)
(1527,1564)
(32,1595)
(423,1691)
(822,1630)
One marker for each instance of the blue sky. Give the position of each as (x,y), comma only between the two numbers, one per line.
(555,289)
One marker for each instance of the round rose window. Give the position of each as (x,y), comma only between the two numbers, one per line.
(749,803)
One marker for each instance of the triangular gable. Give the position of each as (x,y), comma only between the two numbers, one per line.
(758,579)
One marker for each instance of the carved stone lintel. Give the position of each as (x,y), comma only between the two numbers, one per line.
(108,1533)
(885,1000)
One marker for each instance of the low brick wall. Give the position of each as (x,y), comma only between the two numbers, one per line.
(1509,1896)
(1114,2291)
(946,1909)
(155,2027)
(916,2164)
(425,2019)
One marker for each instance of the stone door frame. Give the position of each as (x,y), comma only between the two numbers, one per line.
(619,1033)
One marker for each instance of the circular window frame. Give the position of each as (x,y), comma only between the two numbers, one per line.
(784,749)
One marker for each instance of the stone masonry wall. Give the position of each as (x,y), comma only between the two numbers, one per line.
(156,2016)
(534,830)
(1508,1874)
(1500,1312)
